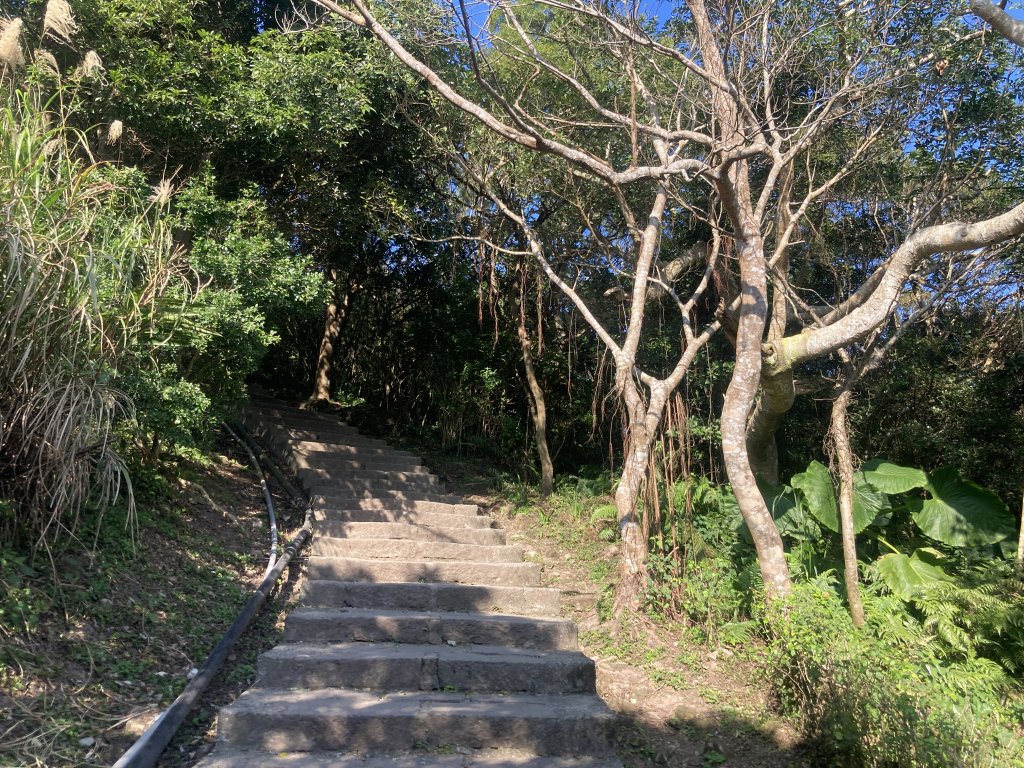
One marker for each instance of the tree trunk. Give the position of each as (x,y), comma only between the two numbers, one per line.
(337,316)
(633,560)
(538,411)
(643,420)
(733,187)
(777,395)
(1019,566)
(739,398)
(844,460)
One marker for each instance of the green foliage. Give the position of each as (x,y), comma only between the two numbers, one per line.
(909,576)
(959,393)
(958,512)
(818,494)
(961,513)
(704,579)
(86,259)
(866,705)
(21,603)
(892,478)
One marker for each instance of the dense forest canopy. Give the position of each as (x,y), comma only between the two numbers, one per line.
(757,263)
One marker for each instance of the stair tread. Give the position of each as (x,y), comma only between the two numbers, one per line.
(468,652)
(465,758)
(374,705)
(433,627)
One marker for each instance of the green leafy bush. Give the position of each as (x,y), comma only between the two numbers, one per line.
(868,702)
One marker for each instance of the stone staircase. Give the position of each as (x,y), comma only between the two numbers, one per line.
(421,640)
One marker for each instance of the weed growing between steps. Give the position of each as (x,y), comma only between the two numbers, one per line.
(93,647)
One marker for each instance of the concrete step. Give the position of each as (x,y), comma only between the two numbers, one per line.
(341,482)
(285,721)
(392,549)
(439,519)
(415,596)
(335,438)
(388,667)
(410,531)
(345,469)
(324,486)
(326,501)
(412,571)
(311,625)
(279,417)
(343,450)
(353,463)
(224,757)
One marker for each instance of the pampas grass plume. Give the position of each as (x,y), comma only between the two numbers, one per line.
(114,132)
(59,21)
(91,66)
(162,192)
(11,55)
(47,61)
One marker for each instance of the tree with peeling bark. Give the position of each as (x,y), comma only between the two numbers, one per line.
(762,124)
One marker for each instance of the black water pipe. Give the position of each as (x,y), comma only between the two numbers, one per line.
(272,559)
(147,750)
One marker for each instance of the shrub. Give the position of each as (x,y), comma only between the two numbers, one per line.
(867,703)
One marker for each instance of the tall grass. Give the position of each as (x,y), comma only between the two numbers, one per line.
(85,262)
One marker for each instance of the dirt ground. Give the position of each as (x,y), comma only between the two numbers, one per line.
(88,665)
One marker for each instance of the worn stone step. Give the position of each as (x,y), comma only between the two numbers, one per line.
(340,483)
(343,450)
(403,667)
(312,625)
(346,469)
(332,719)
(279,419)
(301,457)
(335,438)
(404,571)
(326,501)
(392,549)
(281,413)
(410,531)
(415,596)
(323,486)
(413,516)
(223,757)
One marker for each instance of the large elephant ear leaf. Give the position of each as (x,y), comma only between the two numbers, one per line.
(789,515)
(868,502)
(892,478)
(816,486)
(960,513)
(907,576)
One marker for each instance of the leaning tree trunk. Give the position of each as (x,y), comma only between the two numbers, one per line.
(538,411)
(633,559)
(844,460)
(337,317)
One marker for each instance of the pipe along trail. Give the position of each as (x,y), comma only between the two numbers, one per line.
(145,752)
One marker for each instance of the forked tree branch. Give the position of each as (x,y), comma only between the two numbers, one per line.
(1002,22)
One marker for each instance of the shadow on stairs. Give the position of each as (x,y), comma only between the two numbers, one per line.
(422,639)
